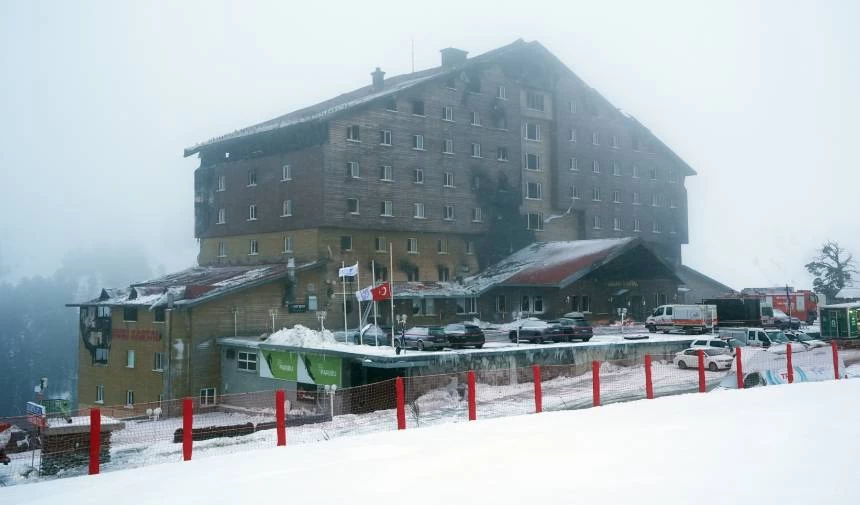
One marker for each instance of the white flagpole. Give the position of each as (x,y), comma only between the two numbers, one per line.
(373,284)
(360,316)
(345,327)
(391,286)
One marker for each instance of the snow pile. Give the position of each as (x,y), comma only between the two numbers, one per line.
(302,336)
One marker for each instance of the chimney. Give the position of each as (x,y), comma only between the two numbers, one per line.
(378,79)
(451,56)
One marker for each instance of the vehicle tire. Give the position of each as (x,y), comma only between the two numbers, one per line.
(682,365)
(652,329)
(712,367)
(420,345)
(586,339)
(479,346)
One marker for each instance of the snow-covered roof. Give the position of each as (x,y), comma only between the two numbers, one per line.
(193,286)
(849,305)
(431,290)
(550,263)
(849,292)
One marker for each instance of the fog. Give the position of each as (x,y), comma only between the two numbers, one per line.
(98,100)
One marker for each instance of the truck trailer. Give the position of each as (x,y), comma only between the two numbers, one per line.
(742,311)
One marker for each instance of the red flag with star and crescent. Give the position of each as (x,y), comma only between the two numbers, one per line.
(381,292)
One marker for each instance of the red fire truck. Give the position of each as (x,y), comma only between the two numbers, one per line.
(803,303)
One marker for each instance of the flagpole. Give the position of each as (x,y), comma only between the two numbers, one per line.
(360,317)
(373,278)
(391,286)
(345,327)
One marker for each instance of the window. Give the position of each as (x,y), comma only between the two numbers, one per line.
(158,362)
(616,196)
(418,209)
(673,175)
(418,142)
(381,273)
(656,227)
(287,208)
(158,315)
(352,133)
(534,191)
(574,165)
(615,143)
(470,247)
(575,193)
(385,137)
(129,358)
(448,146)
(442,246)
(101,356)
(222,249)
(352,205)
(286,173)
(672,228)
(467,305)
(534,100)
(100,393)
(252,177)
(595,194)
(476,150)
(616,224)
(380,244)
(418,107)
(477,215)
(288,244)
(246,361)
(252,212)
(532,131)
(103,311)
(448,212)
(443,273)
(449,180)
(252,248)
(502,154)
(635,171)
(476,182)
(450,83)
(616,169)
(501,122)
(222,216)
(129,313)
(222,183)
(501,304)
(346,242)
(387,208)
(597,222)
(655,200)
(386,173)
(476,118)
(673,203)
(652,173)
(572,135)
(574,107)
(501,93)
(586,303)
(353,169)
(391,105)
(535,221)
(129,398)
(635,198)
(537,304)
(531,161)
(412,245)
(595,167)
(418,176)
(207,396)
(636,226)
(447,113)
(423,306)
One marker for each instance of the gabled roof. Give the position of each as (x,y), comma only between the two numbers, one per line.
(551,264)
(194,286)
(686,274)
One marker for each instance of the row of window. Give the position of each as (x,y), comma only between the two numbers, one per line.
(207,396)
(535,221)
(614,167)
(575,193)
(386,174)
(380,243)
(286,175)
(386,209)
(129,314)
(130,359)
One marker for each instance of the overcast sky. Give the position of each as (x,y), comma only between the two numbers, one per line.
(98,100)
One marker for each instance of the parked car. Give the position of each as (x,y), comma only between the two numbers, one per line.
(784,322)
(580,328)
(538,331)
(716,343)
(464,334)
(687,318)
(423,338)
(779,342)
(371,335)
(803,338)
(715,359)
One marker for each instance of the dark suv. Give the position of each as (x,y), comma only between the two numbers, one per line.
(579,329)
(463,334)
(422,338)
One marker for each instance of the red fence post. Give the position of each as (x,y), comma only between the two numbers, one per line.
(788,363)
(400,395)
(649,385)
(95,439)
(595,383)
(538,391)
(740,368)
(280,417)
(187,427)
(835,359)
(473,413)
(701,354)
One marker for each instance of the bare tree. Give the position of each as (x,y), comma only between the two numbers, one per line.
(833,269)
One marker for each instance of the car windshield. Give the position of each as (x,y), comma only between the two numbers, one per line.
(715,352)
(801,337)
(436,332)
(533,324)
(777,336)
(733,343)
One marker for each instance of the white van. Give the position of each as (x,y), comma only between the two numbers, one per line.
(686,318)
(759,337)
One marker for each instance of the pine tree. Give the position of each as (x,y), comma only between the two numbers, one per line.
(832,268)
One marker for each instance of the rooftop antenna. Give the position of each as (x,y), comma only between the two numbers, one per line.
(413,54)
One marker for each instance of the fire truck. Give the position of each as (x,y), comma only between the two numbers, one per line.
(800,303)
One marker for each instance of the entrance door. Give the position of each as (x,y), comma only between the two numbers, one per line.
(637,308)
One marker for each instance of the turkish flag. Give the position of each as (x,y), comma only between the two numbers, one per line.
(381,292)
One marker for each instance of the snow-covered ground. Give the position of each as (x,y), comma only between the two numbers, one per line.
(681,449)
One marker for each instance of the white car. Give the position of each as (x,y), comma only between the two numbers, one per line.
(715,359)
(797,336)
(728,345)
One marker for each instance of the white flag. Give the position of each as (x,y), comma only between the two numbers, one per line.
(364,295)
(351,271)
